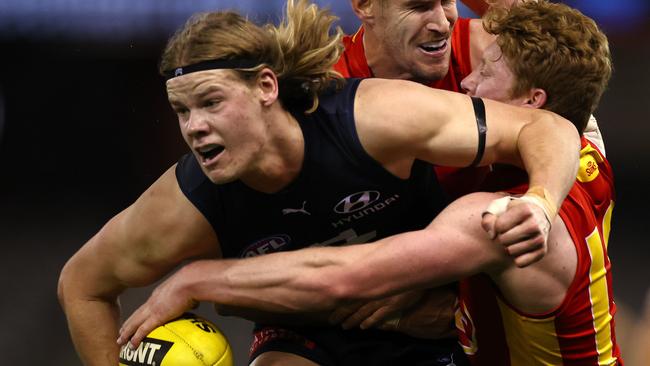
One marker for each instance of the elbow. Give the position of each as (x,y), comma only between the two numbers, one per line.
(62,285)
(565,127)
(570,136)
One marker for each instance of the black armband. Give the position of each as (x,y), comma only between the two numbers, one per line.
(479,112)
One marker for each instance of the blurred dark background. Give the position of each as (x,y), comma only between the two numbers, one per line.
(85,128)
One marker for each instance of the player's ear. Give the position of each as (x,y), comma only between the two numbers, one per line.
(267,85)
(365,9)
(537,98)
(534,98)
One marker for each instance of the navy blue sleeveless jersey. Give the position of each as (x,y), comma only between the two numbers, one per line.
(341,196)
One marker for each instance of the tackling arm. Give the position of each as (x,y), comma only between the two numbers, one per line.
(440,127)
(315,279)
(135,248)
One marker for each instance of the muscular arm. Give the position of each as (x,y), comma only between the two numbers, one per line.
(135,248)
(318,279)
(440,127)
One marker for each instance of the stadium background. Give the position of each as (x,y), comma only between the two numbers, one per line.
(85,128)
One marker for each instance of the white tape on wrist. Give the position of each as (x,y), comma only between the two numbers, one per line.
(537,201)
(498,206)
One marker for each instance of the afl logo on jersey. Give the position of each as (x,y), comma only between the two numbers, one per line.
(356,201)
(271,244)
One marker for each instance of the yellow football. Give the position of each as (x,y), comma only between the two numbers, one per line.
(187,341)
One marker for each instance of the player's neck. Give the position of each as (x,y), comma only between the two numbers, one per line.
(281,158)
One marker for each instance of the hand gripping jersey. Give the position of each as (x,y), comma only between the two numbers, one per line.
(353,63)
(581,330)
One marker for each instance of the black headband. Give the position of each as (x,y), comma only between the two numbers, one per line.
(236,63)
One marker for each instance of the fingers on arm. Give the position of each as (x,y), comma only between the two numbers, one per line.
(523,232)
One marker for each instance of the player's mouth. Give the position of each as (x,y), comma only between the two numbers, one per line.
(434,49)
(209,153)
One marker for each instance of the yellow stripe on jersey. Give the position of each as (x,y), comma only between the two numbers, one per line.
(589,159)
(530,341)
(598,294)
(607,222)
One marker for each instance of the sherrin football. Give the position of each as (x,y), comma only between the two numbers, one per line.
(187,341)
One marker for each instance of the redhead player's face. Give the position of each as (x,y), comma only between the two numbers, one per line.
(493,78)
(220,121)
(416,36)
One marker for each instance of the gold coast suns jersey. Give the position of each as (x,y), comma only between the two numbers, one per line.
(581,330)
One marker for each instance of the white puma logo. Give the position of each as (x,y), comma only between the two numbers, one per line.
(286,211)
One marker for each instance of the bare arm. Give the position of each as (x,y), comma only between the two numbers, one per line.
(440,127)
(135,248)
(452,247)
(318,279)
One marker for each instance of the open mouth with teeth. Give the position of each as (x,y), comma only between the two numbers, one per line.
(431,47)
(209,152)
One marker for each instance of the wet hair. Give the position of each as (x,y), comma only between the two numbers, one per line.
(301,51)
(555,48)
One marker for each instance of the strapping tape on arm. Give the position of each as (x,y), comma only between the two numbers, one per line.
(535,195)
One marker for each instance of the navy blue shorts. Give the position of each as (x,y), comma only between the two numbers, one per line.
(337,347)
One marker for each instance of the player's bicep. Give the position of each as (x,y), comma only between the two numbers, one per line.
(161,229)
(146,240)
(399,120)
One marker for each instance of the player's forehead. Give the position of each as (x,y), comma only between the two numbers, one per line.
(493,56)
(201,82)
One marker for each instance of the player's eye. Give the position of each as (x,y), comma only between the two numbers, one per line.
(211,103)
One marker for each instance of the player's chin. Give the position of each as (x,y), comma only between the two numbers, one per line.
(432,73)
(220,179)
(219,175)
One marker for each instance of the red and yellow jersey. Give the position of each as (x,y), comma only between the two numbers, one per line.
(581,330)
(353,64)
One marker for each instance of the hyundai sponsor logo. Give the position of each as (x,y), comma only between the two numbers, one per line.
(267,245)
(360,205)
(356,201)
